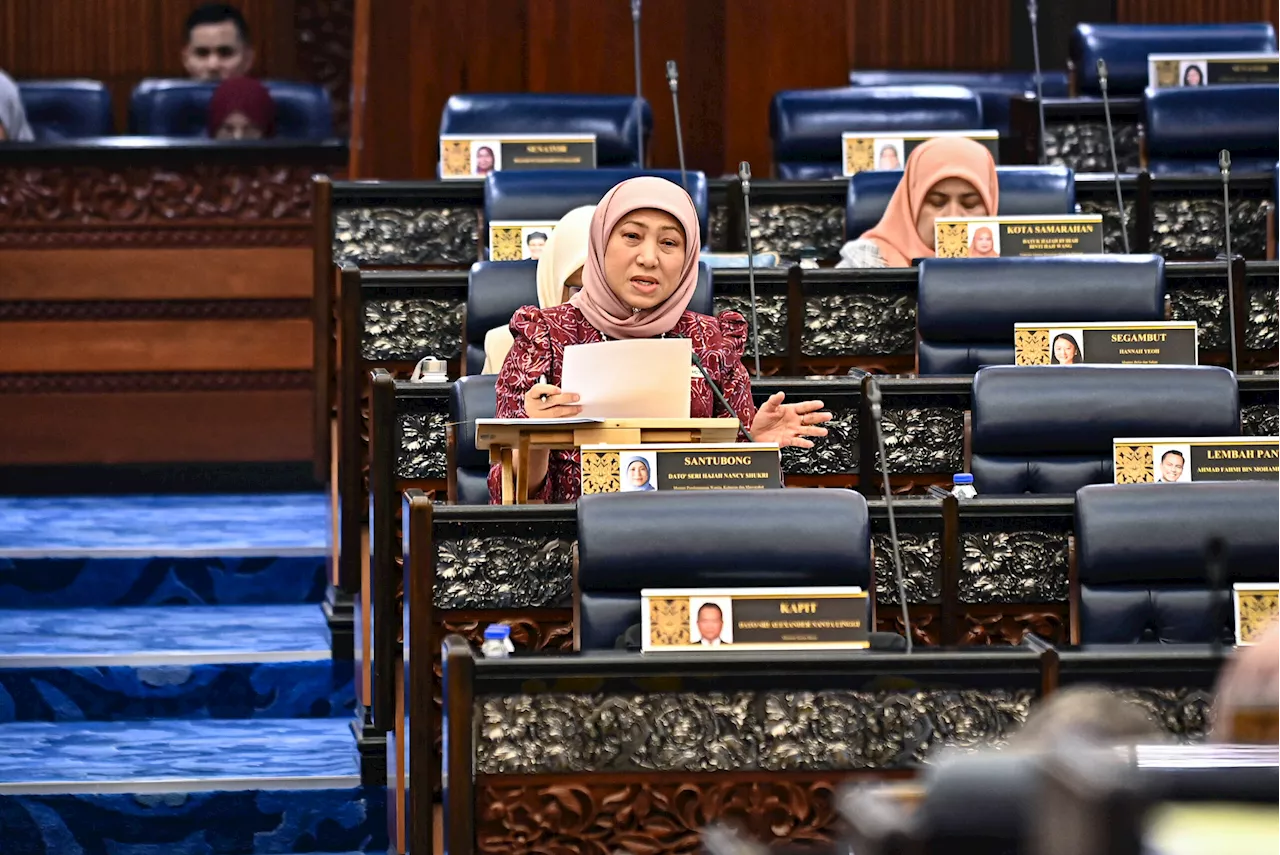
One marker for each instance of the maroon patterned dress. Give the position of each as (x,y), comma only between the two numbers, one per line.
(540,339)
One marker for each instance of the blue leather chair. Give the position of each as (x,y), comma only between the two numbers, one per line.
(1186,128)
(994,88)
(968,306)
(470,398)
(1125,48)
(1049,428)
(612,118)
(179,108)
(712,539)
(550,194)
(1024,190)
(1139,559)
(495,289)
(806,124)
(67,109)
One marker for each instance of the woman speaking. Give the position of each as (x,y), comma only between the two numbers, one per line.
(640,274)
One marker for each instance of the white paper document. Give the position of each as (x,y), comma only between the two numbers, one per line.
(630,379)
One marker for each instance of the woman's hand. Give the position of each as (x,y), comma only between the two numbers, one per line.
(545,401)
(789,424)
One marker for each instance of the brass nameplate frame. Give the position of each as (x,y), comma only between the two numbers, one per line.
(1197,458)
(1175,70)
(1154,343)
(747,619)
(468,157)
(869,151)
(1255,605)
(514,240)
(1007,237)
(680,466)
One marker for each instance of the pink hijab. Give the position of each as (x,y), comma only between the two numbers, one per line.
(596,300)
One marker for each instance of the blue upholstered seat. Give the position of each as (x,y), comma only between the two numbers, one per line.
(471,398)
(968,306)
(179,108)
(612,118)
(1024,190)
(806,124)
(66,109)
(1140,556)
(712,539)
(1187,127)
(1049,428)
(994,88)
(1125,48)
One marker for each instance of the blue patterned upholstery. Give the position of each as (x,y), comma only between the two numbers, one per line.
(1187,127)
(1125,48)
(994,88)
(67,109)
(179,108)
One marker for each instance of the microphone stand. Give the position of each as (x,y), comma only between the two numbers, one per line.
(673,78)
(1115,164)
(872,391)
(744,175)
(1224,166)
(1032,14)
(635,40)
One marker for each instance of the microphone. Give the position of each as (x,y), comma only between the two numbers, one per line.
(1032,14)
(635,40)
(872,391)
(744,176)
(1115,165)
(715,390)
(1224,166)
(673,80)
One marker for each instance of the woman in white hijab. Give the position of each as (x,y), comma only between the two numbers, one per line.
(559,278)
(13,117)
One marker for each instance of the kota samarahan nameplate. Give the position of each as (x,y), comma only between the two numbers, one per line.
(747,619)
(513,240)
(467,157)
(1256,605)
(680,466)
(866,151)
(1172,70)
(1158,343)
(995,237)
(1184,460)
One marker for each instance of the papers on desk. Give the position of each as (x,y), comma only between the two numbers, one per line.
(630,379)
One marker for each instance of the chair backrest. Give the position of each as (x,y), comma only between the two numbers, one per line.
(495,289)
(67,109)
(547,195)
(1049,428)
(612,118)
(968,306)
(994,88)
(1125,48)
(180,108)
(729,539)
(806,124)
(1186,127)
(1140,556)
(471,398)
(1024,190)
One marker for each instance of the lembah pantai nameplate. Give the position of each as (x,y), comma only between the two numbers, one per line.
(1182,460)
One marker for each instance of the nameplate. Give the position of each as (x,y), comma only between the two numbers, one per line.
(868,151)
(1172,70)
(1157,343)
(468,157)
(1256,605)
(1008,237)
(746,619)
(1193,459)
(680,466)
(513,240)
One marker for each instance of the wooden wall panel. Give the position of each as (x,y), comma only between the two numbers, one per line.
(1196,11)
(931,34)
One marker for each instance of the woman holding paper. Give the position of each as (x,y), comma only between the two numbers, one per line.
(640,273)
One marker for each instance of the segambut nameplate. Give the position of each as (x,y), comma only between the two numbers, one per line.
(1154,343)
(1008,237)
(514,240)
(1174,70)
(1184,460)
(728,619)
(680,466)
(1256,606)
(463,156)
(868,151)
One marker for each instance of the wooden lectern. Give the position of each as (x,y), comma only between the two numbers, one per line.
(504,436)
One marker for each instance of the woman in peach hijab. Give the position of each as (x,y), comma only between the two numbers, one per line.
(945,177)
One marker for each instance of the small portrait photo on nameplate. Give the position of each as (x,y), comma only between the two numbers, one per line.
(681,466)
(1174,70)
(463,158)
(991,237)
(867,151)
(1183,460)
(1143,343)
(747,619)
(1256,605)
(514,240)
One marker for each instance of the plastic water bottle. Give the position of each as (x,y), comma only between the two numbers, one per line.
(963,486)
(497,641)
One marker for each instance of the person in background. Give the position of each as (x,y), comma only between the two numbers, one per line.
(1091,713)
(218,46)
(559,278)
(1245,702)
(945,177)
(241,109)
(13,116)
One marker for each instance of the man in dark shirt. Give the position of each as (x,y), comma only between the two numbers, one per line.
(218,45)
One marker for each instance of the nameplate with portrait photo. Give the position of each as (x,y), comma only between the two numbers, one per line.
(464,157)
(1175,70)
(870,151)
(1142,343)
(1010,237)
(681,466)
(516,240)
(1185,460)
(1256,606)
(750,619)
